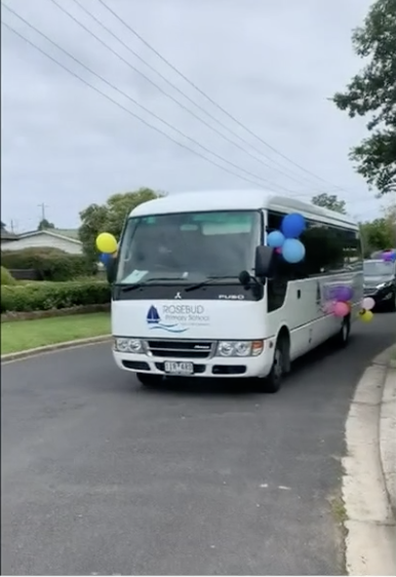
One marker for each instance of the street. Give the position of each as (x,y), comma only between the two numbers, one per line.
(101,476)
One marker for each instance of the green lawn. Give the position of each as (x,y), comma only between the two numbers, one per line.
(22,335)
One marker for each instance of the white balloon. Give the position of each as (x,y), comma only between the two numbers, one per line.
(368,303)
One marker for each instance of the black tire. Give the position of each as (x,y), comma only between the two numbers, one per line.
(273,382)
(341,339)
(148,380)
(392,304)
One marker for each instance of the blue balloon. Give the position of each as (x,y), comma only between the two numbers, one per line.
(104,258)
(293,225)
(293,250)
(275,239)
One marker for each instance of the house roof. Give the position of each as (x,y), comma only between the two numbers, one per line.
(5,235)
(69,232)
(66,234)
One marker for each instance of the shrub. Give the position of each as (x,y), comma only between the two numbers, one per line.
(6,277)
(43,296)
(50,263)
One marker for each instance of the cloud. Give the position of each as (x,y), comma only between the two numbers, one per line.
(271,65)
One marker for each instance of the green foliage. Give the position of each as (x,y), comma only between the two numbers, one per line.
(42,296)
(51,264)
(380,233)
(329,201)
(6,277)
(372,93)
(376,236)
(109,217)
(45,224)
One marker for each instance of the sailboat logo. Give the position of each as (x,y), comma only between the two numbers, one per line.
(154,321)
(153,317)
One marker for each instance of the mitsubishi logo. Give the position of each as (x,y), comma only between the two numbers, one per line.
(178,296)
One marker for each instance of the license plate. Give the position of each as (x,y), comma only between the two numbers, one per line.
(175,368)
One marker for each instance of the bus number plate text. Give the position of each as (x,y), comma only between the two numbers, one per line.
(177,368)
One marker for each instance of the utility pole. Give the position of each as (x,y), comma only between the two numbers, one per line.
(43,206)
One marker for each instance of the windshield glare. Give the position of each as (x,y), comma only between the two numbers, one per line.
(378,268)
(188,246)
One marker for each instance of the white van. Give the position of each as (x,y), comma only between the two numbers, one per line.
(197,293)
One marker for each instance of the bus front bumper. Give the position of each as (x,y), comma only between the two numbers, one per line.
(215,367)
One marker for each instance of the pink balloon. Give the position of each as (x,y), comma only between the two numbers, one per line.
(340,309)
(368,303)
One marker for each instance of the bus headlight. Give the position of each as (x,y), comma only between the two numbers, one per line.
(127,345)
(239,348)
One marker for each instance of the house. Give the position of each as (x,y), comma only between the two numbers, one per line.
(63,239)
(5,235)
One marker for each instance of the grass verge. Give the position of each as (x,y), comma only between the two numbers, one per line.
(22,335)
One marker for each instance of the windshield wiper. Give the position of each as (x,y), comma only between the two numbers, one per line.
(131,287)
(208,280)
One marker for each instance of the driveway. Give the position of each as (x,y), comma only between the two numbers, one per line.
(102,477)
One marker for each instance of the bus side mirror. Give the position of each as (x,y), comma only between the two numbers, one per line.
(264,262)
(111,267)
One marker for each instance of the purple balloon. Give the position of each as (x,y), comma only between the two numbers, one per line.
(389,256)
(343,293)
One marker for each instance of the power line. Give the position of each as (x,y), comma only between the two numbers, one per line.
(175,87)
(169,125)
(123,107)
(116,102)
(228,114)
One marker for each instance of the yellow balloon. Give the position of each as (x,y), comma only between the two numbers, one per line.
(106,243)
(367,316)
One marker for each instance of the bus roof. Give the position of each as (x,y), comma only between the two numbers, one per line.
(238,200)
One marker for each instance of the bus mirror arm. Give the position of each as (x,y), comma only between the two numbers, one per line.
(246,279)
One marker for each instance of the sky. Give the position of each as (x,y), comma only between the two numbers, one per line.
(271,65)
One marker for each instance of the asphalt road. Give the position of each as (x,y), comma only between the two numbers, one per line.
(100,476)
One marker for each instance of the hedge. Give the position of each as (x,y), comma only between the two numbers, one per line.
(6,277)
(46,296)
(51,264)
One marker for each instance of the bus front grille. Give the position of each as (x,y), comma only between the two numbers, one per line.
(180,349)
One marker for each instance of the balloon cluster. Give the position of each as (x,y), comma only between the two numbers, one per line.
(389,255)
(106,243)
(366,314)
(341,306)
(285,241)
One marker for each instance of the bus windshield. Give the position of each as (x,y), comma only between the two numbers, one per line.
(188,246)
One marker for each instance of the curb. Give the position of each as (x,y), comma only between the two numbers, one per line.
(20,355)
(371,526)
(387,433)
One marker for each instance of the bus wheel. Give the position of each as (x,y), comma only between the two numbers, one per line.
(342,337)
(272,383)
(148,380)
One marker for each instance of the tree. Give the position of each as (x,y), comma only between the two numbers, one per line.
(329,201)
(380,233)
(109,217)
(372,93)
(44,224)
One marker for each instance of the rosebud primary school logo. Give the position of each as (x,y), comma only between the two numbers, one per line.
(154,321)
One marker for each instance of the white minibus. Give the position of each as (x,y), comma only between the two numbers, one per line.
(197,293)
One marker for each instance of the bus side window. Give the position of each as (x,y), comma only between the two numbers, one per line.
(285,272)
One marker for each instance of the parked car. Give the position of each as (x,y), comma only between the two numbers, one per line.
(380,282)
(378,253)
